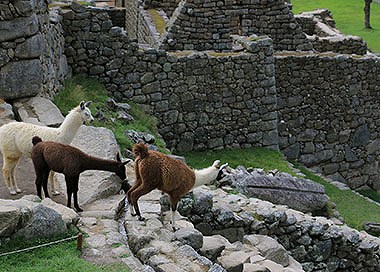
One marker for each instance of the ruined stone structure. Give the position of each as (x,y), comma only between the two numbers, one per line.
(319,108)
(31,50)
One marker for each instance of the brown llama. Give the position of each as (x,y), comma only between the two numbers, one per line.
(155,170)
(69,161)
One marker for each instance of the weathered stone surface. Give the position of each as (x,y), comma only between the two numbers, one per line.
(20,79)
(213,246)
(18,28)
(281,188)
(44,222)
(269,248)
(191,237)
(9,218)
(31,48)
(69,216)
(38,110)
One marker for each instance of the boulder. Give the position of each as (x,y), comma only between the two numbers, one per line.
(6,113)
(279,188)
(38,110)
(44,222)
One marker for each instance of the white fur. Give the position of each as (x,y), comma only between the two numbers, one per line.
(206,175)
(16,140)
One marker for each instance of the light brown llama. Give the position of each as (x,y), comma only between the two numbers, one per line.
(69,161)
(155,170)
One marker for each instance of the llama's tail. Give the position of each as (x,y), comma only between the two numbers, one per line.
(36,140)
(140,150)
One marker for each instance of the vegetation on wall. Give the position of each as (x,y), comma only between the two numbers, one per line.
(78,88)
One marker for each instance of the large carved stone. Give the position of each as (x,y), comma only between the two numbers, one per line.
(18,28)
(20,79)
(280,188)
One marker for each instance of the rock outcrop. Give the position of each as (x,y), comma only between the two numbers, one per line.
(280,188)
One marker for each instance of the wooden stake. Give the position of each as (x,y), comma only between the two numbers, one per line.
(80,241)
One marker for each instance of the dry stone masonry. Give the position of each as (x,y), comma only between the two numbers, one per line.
(319,108)
(31,50)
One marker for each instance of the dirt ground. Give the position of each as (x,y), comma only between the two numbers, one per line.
(25,177)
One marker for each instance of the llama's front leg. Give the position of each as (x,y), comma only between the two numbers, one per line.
(53,182)
(69,192)
(136,194)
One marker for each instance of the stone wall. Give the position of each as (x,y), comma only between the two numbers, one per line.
(202,100)
(328,108)
(320,26)
(209,25)
(31,50)
(316,242)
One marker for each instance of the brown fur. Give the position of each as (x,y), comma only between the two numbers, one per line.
(71,162)
(155,170)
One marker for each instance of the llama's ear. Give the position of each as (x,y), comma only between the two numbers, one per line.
(216,163)
(87,104)
(82,105)
(127,161)
(118,157)
(223,166)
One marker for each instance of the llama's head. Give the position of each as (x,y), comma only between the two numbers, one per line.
(209,174)
(219,168)
(121,170)
(85,111)
(140,150)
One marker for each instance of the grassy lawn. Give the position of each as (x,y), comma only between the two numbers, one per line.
(349,17)
(63,257)
(354,209)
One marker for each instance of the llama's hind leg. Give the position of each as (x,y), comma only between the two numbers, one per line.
(173,205)
(9,164)
(53,183)
(41,179)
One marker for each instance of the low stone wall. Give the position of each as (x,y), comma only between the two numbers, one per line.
(328,114)
(320,25)
(31,50)
(202,100)
(316,242)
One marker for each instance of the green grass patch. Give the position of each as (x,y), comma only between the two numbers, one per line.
(257,157)
(158,21)
(355,209)
(349,17)
(63,257)
(79,88)
(372,194)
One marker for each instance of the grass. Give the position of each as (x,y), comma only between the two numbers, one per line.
(159,22)
(372,194)
(349,17)
(63,257)
(355,209)
(79,88)
(257,157)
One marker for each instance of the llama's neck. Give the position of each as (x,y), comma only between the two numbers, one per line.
(93,163)
(205,176)
(70,126)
